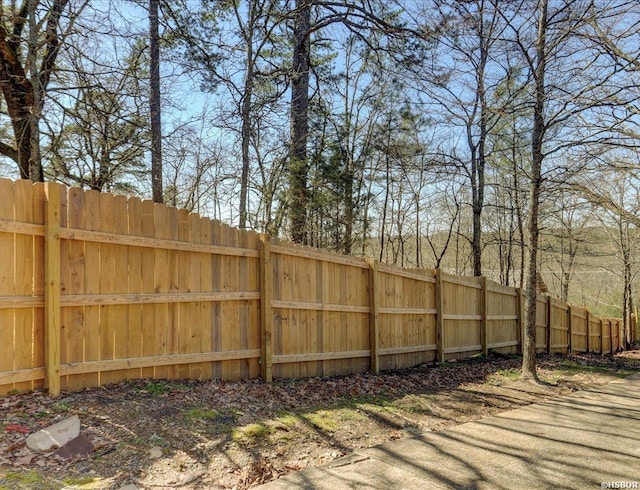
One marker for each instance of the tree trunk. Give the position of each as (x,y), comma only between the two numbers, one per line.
(246,106)
(298,165)
(24,96)
(35,161)
(154,102)
(246,139)
(18,95)
(387,187)
(627,296)
(537,157)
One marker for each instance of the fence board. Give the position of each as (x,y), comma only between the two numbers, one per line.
(216,285)
(134,286)
(7,281)
(606,336)
(542,314)
(615,334)
(92,220)
(595,334)
(253,306)
(39,219)
(407,317)
(148,275)
(190,316)
(231,336)
(578,329)
(120,313)
(171,332)
(24,272)
(205,330)
(502,318)
(73,276)
(107,281)
(185,284)
(461,315)
(559,328)
(327,312)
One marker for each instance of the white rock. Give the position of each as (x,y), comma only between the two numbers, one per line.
(130,486)
(54,436)
(155,452)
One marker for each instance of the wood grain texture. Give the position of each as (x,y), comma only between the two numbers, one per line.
(147,291)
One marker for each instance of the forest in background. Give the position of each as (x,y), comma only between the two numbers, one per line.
(478,136)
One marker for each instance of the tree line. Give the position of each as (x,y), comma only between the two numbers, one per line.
(483,136)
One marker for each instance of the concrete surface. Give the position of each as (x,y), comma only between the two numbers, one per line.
(583,440)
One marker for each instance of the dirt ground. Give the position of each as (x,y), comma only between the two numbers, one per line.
(202,434)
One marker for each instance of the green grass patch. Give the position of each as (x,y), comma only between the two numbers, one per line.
(325,420)
(61,407)
(202,414)
(18,480)
(156,388)
(503,375)
(571,367)
(381,400)
(251,432)
(413,404)
(79,480)
(286,419)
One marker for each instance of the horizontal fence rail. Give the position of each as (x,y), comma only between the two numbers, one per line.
(97,288)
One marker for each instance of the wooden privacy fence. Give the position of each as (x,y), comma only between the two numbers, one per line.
(97,288)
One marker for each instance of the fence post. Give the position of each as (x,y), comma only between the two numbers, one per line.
(588,329)
(439,314)
(611,335)
(549,323)
(52,288)
(266,324)
(483,316)
(570,324)
(520,319)
(601,336)
(374,326)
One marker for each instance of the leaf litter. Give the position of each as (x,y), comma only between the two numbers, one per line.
(215,434)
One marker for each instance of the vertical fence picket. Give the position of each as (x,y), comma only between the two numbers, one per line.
(149,284)
(549,324)
(570,323)
(439,316)
(483,316)
(24,271)
(374,316)
(266,313)
(520,321)
(134,284)
(52,289)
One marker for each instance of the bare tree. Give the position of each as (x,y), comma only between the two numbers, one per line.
(618,195)
(563,95)
(236,48)
(360,18)
(100,140)
(565,236)
(460,84)
(31,36)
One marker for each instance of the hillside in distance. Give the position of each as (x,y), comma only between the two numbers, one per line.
(589,261)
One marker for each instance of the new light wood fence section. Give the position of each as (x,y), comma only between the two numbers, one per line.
(97,288)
